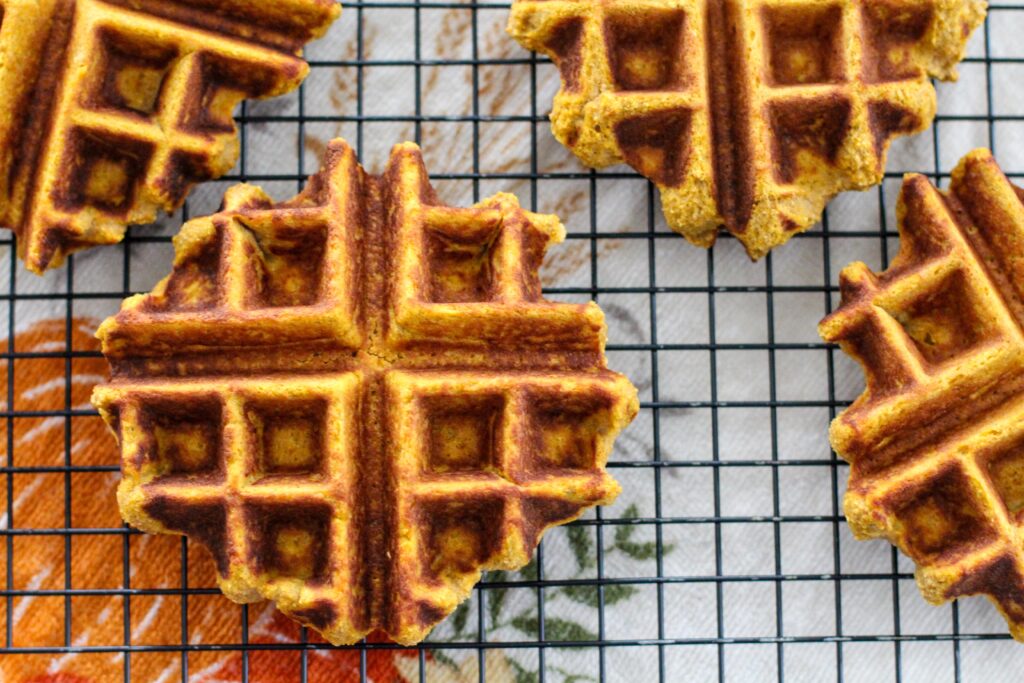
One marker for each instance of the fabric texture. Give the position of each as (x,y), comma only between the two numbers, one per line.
(728,530)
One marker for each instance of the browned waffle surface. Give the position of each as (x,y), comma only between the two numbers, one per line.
(935,441)
(115,108)
(748,115)
(358,399)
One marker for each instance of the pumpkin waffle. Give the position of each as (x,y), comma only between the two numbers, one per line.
(748,115)
(935,440)
(358,399)
(115,108)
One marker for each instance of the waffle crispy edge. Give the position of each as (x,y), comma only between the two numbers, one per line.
(747,115)
(460,418)
(935,440)
(117,107)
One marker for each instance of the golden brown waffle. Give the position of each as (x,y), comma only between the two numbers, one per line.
(115,108)
(358,399)
(935,441)
(747,114)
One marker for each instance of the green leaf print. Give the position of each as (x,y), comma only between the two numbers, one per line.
(563,629)
(496,596)
(461,617)
(529,572)
(527,623)
(588,595)
(523,675)
(624,539)
(582,543)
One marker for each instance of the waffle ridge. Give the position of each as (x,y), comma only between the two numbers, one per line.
(934,442)
(118,107)
(358,399)
(748,116)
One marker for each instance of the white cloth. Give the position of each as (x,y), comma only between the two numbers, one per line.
(745,435)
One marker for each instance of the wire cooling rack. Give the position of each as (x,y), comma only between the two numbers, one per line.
(727,557)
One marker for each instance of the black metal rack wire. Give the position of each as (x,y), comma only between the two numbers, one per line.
(660,645)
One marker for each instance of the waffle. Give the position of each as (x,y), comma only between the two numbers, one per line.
(358,399)
(116,108)
(748,115)
(935,440)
